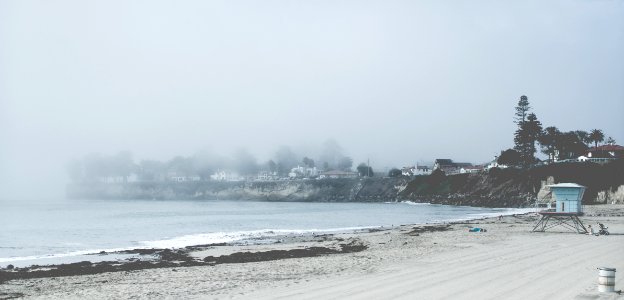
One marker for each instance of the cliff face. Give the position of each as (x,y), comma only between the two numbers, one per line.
(327,190)
(497,188)
(518,187)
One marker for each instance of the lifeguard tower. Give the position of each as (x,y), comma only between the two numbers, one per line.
(568,197)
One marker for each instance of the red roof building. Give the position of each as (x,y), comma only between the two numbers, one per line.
(606,151)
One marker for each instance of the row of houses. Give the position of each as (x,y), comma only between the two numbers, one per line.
(600,154)
(449,167)
(298,172)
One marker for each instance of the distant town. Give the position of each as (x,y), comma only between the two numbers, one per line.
(559,147)
(120,168)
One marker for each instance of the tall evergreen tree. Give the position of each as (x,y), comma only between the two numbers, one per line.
(522,109)
(526,136)
(529,129)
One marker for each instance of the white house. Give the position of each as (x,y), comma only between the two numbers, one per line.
(222,175)
(266,176)
(472,169)
(422,170)
(181,177)
(300,172)
(416,170)
(495,164)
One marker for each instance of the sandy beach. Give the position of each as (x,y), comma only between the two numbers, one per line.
(445,261)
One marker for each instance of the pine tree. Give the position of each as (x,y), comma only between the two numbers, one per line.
(522,109)
(527,134)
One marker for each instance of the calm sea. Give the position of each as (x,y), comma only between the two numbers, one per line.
(43,232)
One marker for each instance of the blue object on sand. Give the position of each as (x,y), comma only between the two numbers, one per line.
(475,229)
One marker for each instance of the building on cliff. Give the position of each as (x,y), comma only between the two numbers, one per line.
(470,169)
(222,175)
(606,151)
(302,172)
(449,167)
(415,170)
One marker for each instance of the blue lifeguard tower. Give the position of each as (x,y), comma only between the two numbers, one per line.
(568,197)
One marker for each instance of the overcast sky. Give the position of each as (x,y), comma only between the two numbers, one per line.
(394,81)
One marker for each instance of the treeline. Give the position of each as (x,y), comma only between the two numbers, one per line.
(203,164)
(554,143)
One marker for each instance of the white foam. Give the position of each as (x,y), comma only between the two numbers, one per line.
(227,237)
(61,255)
(415,203)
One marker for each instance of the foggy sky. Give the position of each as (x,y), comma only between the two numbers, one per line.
(394,81)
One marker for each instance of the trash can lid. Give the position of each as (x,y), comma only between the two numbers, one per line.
(606,269)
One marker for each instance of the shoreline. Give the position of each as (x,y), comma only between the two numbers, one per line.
(255,236)
(314,264)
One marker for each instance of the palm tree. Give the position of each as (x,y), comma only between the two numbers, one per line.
(596,136)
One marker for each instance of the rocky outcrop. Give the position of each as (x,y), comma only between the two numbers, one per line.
(611,197)
(519,187)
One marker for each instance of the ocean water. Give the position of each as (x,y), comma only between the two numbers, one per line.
(43,232)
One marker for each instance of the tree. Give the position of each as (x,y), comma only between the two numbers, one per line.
(95,167)
(569,145)
(345,163)
(182,166)
(245,163)
(152,170)
(525,138)
(286,159)
(394,172)
(522,109)
(364,170)
(331,153)
(582,136)
(596,136)
(206,163)
(122,165)
(509,157)
(271,165)
(610,141)
(308,162)
(549,142)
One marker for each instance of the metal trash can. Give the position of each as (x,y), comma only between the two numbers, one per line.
(606,280)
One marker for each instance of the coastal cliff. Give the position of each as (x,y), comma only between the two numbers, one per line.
(496,188)
(326,190)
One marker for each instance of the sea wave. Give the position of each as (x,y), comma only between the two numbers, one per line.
(61,255)
(415,203)
(228,237)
